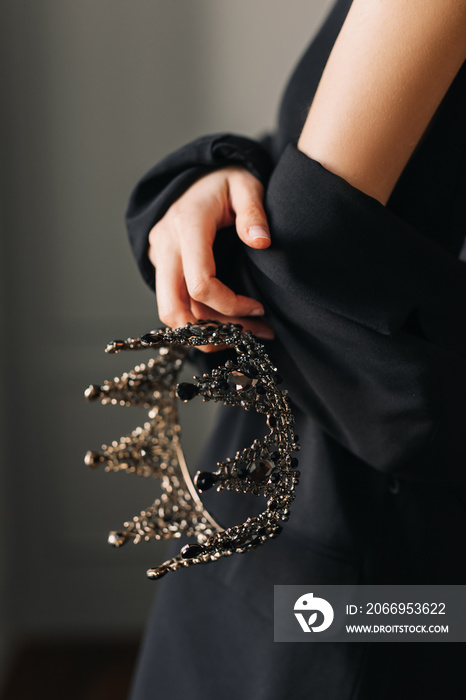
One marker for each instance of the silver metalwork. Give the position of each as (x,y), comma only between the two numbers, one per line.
(265,468)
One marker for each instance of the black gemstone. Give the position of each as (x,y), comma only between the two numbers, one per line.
(294,463)
(273,504)
(260,469)
(197,330)
(244,540)
(242,470)
(251,370)
(223,386)
(260,389)
(151,339)
(272,421)
(275,477)
(240,381)
(186,391)
(190,551)
(205,480)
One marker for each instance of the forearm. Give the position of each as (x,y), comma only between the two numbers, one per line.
(388,71)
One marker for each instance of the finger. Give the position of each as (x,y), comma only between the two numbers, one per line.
(258,328)
(199,272)
(246,195)
(173,300)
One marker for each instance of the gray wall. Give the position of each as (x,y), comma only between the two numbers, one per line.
(94,92)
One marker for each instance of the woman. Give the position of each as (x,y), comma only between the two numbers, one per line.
(353,254)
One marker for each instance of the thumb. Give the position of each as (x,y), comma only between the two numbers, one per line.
(251,222)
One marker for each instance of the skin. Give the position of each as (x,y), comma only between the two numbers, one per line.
(389,69)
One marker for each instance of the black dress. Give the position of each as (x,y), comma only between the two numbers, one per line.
(368,307)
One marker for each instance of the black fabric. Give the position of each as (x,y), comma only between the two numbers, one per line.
(368,307)
(361,274)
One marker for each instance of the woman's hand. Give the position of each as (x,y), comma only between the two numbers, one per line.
(180,248)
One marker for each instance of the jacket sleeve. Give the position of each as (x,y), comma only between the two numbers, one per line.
(369,319)
(167,181)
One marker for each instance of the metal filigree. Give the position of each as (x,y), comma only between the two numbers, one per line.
(267,468)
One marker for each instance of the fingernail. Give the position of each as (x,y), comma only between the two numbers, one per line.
(258,311)
(259,232)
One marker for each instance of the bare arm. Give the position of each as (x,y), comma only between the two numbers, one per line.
(388,71)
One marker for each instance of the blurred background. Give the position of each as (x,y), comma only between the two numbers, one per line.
(94,92)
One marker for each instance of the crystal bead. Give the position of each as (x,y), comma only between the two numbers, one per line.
(190,551)
(205,480)
(93,459)
(155,574)
(116,539)
(93,392)
(186,391)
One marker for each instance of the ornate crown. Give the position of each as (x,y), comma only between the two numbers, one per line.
(266,468)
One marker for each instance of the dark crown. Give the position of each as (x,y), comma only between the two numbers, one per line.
(265,468)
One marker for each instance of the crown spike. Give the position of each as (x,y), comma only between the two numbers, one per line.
(266,468)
